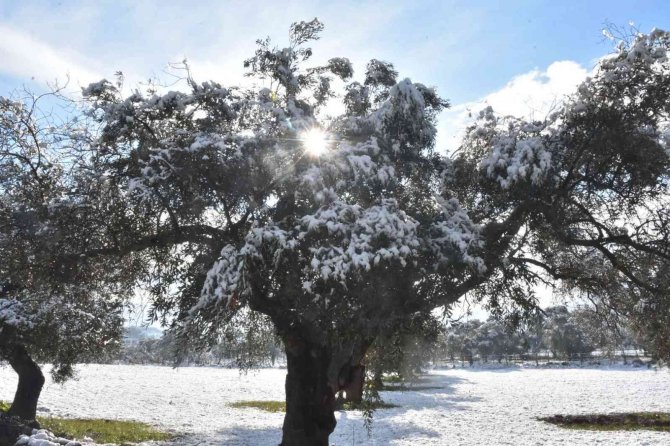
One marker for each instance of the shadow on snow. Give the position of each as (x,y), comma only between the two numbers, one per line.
(388,424)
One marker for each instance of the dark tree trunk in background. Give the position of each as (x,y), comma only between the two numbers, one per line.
(310,398)
(30,385)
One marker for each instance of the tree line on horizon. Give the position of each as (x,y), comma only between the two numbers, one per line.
(555,333)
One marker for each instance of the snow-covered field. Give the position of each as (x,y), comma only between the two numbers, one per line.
(471,407)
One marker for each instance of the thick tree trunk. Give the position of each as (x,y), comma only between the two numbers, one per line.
(310,397)
(30,385)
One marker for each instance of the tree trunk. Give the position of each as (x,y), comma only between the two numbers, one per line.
(310,398)
(30,385)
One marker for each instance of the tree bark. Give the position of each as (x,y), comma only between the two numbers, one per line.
(30,384)
(310,397)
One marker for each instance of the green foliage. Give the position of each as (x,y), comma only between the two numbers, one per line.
(104,431)
(656,421)
(4,406)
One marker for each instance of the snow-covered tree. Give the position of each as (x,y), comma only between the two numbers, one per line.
(337,229)
(563,335)
(494,339)
(461,340)
(55,306)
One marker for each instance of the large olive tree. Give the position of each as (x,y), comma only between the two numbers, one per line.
(338,230)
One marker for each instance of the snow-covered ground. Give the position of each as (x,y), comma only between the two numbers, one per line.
(471,407)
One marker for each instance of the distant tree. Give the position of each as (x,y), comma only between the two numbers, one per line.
(451,343)
(606,330)
(627,313)
(563,335)
(335,238)
(406,350)
(493,338)
(248,341)
(487,338)
(461,340)
(531,332)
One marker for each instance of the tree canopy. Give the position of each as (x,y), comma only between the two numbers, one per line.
(55,305)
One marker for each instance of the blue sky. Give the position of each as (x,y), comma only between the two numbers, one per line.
(466,48)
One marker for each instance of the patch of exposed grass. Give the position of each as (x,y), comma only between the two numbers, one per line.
(101,431)
(406,388)
(393,379)
(268,406)
(656,421)
(280,406)
(104,431)
(365,405)
(397,379)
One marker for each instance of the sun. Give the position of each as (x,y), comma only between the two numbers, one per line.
(315,141)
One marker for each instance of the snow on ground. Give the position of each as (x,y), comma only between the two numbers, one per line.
(471,407)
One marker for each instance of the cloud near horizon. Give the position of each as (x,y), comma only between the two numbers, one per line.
(24,56)
(531,95)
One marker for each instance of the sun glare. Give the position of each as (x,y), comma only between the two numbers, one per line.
(315,141)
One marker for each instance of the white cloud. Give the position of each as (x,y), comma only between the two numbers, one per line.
(531,95)
(89,41)
(25,56)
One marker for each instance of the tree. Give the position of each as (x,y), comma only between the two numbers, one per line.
(493,338)
(55,307)
(531,332)
(338,229)
(625,313)
(461,340)
(406,350)
(605,329)
(563,335)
